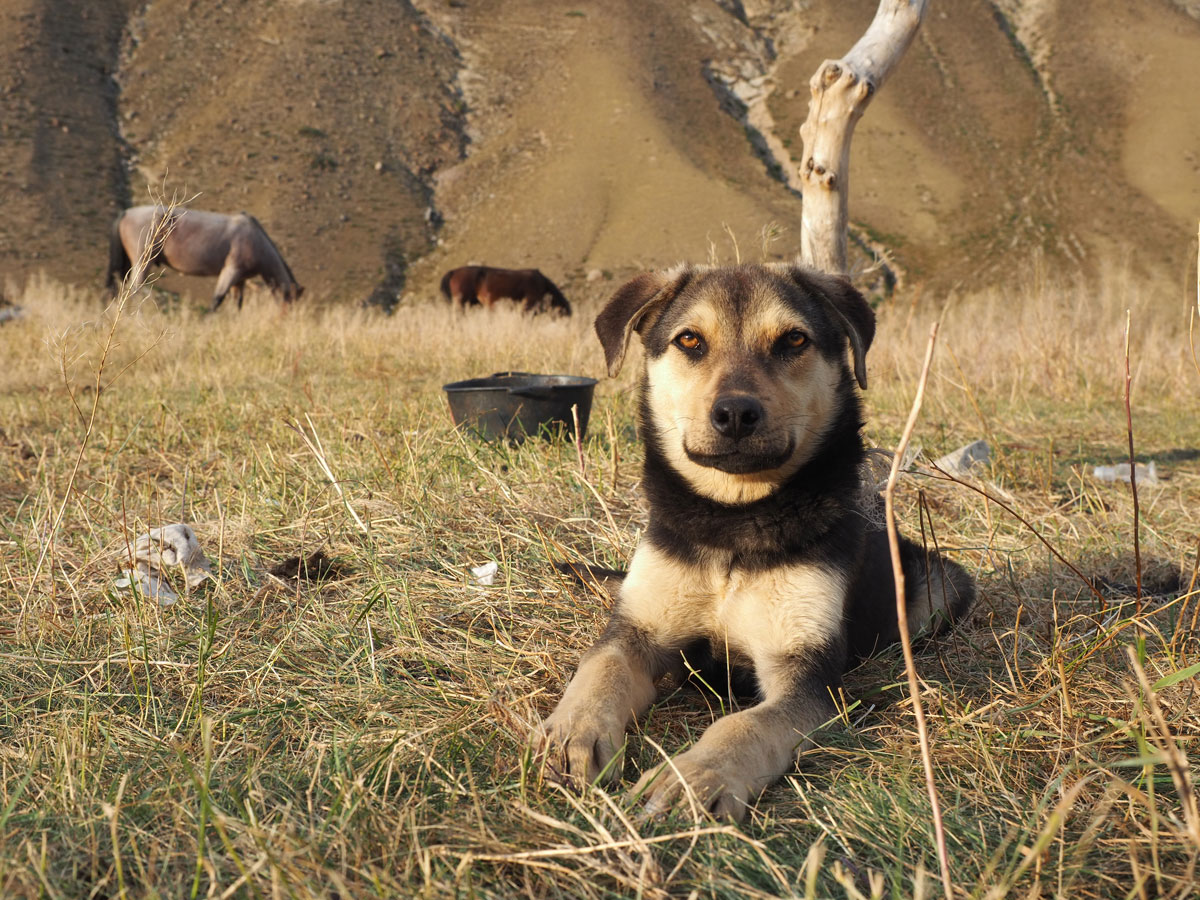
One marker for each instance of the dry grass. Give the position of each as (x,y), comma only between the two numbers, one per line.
(363,736)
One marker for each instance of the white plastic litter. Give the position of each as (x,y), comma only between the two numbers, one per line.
(151,584)
(1146,474)
(962,460)
(160,551)
(911,452)
(486,574)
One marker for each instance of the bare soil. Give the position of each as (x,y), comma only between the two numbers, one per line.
(381,143)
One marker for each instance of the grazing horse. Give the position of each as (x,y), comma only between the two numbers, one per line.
(484,285)
(235,248)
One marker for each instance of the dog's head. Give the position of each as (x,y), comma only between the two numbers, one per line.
(746,367)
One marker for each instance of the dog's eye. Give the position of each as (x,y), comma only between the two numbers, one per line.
(689,341)
(790,341)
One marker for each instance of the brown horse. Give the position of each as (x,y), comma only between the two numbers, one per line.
(235,248)
(484,285)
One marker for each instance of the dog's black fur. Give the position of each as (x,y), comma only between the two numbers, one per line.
(787,584)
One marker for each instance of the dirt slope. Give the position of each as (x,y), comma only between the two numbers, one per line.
(305,114)
(61,169)
(301,113)
(1013,130)
(606,149)
(1007,130)
(381,142)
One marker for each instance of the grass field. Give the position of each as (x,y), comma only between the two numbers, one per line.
(363,736)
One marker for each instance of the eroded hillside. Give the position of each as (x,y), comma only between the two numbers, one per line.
(383,142)
(326,120)
(62,171)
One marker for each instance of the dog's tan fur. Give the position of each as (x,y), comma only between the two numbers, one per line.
(763,348)
(679,404)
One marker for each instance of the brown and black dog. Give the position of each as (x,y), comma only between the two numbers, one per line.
(762,550)
(484,285)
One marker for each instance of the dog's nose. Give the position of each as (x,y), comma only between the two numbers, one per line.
(736,415)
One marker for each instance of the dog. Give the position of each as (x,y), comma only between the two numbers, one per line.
(484,285)
(760,550)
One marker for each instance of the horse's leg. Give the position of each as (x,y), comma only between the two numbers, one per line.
(481,296)
(229,276)
(464,298)
(139,268)
(239,290)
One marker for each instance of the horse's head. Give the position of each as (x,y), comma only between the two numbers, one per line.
(559,305)
(292,292)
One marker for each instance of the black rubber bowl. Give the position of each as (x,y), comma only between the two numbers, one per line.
(514,405)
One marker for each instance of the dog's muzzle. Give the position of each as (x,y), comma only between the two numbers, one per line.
(736,416)
(740,444)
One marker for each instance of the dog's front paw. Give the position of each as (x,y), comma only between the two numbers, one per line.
(694,782)
(580,746)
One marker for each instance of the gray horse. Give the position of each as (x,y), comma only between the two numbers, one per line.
(234,248)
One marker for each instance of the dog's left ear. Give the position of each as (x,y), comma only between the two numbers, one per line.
(849,309)
(630,310)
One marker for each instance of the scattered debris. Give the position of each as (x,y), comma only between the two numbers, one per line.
(486,574)
(23,449)
(877,466)
(961,461)
(317,567)
(151,584)
(159,551)
(594,275)
(421,669)
(1160,581)
(1146,474)
(908,460)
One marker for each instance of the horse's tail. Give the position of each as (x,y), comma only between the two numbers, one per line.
(119,263)
(446,284)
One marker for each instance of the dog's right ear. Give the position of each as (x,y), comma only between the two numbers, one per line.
(630,309)
(849,309)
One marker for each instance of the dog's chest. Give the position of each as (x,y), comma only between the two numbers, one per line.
(754,613)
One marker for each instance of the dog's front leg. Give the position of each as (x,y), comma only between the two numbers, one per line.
(741,754)
(584,737)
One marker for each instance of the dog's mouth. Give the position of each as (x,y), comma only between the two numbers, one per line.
(741,460)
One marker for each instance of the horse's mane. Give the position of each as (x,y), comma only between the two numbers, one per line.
(267,237)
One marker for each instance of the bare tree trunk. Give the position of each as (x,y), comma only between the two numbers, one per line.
(841,90)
